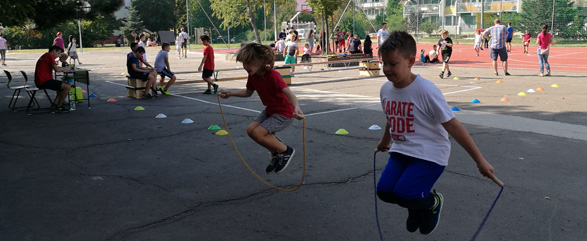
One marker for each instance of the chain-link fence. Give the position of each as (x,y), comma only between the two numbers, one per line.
(567,19)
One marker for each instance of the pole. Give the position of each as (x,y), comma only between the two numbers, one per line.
(500,9)
(552,22)
(228,27)
(187,14)
(264,21)
(274,20)
(79,26)
(482,14)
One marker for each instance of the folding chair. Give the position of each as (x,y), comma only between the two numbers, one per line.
(17,89)
(32,91)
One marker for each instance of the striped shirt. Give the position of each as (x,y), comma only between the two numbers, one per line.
(498,34)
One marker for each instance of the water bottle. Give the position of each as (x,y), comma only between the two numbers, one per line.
(72,98)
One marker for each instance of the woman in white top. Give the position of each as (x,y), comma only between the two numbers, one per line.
(3,47)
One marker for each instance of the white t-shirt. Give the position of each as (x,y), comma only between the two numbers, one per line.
(382,36)
(477,38)
(432,54)
(178,44)
(415,114)
(280,45)
(71,47)
(2,43)
(182,36)
(290,46)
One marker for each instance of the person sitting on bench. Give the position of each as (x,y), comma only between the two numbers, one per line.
(44,77)
(355,45)
(137,72)
(163,69)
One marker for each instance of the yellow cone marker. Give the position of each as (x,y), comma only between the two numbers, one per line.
(456,78)
(554,86)
(221,133)
(521,94)
(341,132)
(499,81)
(123,73)
(476,79)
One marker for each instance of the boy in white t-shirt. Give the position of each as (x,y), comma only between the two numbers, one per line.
(178,46)
(478,41)
(418,122)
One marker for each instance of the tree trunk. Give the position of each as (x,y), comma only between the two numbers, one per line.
(252,20)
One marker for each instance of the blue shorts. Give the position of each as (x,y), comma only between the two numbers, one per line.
(166,72)
(408,177)
(503,54)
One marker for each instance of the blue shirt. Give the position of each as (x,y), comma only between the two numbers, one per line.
(130,61)
(510,32)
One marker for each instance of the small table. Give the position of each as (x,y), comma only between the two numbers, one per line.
(82,76)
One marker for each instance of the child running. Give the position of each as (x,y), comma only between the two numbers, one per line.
(208,64)
(281,104)
(418,122)
(445,48)
(478,41)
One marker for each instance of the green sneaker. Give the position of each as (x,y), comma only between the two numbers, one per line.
(165,92)
(215,88)
(207,92)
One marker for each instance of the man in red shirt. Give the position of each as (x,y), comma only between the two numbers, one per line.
(208,64)
(44,77)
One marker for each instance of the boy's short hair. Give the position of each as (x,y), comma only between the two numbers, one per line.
(384,24)
(205,38)
(140,50)
(444,31)
(133,46)
(142,35)
(63,55)
(257,53)
(55,47)
(164,45)
(400,41)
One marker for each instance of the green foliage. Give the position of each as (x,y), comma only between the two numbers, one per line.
(25,37)
(535,13)
(132,24)
(47,14)
(155,14)
(429,27)
(360,25)
(394,16)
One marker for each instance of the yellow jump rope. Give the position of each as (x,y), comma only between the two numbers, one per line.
(257,175)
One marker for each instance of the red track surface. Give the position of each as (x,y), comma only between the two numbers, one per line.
(561,59)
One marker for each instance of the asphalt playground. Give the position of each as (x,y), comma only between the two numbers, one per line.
(114,173)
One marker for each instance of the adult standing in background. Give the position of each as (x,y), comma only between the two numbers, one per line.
(508,40)
(498,35)
(543,40)
(381,37)
(58,41)
(3,48)
(282,34)
(310,39)
(185,38)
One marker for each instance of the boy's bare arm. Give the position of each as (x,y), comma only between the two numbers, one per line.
(294,101)
(167,64)
(202,63)
(460,134)
(237,93)
(385,142)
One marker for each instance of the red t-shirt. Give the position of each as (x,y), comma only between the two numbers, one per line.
(44,69)
(209,63)
(270,87)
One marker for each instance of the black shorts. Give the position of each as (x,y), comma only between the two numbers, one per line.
(446,57)
(508,40)
(51,85)
(166,72)
(184,44)
(206,73)
(141,76)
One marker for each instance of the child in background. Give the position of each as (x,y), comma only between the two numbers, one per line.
(318,50)
(291,51)
(306,56)
(208,65)
(424,58)
(445,48)
(63,59)
(280,45)
(178,46)
(433,55)
(527,38)
(367,49)
(478,41)
(71,51)
(163,69)
(418,124)
(281,104)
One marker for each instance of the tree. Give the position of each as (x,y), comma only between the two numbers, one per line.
(47,14)
(429,27)
(132,24)
(324,8)
(155,14)
(394,16)
(535,13)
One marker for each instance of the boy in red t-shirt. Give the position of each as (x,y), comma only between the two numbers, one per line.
(527,37)
(208,64)
(281,104)
(44,77)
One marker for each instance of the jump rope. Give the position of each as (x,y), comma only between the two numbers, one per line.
(257,175)
(494,179)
